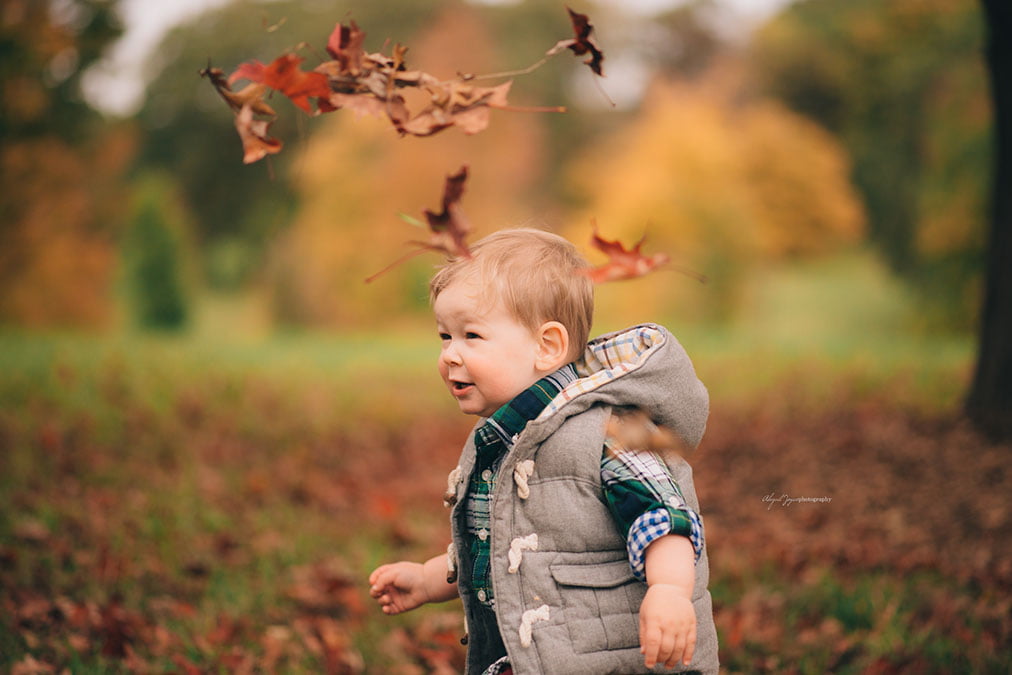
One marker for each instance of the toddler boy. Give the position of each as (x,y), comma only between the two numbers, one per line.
(575,554)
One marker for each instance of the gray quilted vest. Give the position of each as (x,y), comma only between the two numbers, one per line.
(566,598)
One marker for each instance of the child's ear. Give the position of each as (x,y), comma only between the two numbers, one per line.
(553,346)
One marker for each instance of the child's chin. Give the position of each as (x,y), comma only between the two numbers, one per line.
(472,409)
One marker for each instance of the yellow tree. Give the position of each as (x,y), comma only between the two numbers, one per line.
(719,183)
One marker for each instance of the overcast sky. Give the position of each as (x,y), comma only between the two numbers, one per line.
(117,85)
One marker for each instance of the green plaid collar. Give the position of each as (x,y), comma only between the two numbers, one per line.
(507,422)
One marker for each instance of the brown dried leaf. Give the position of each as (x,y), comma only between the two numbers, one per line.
(30,666)
(457,104)
(256,143)
(345,45)
(366,104)
(582,43)
(449,227)
(32,530)
(251,95)
(633,429)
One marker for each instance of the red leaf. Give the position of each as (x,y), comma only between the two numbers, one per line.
(622,263)
(283,74)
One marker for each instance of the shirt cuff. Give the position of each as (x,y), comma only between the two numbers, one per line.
(658,523)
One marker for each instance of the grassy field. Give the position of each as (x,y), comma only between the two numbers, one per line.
(214,502)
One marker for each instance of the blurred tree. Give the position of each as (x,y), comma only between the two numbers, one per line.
(154,247)
(990,400)
(45,46)
(903,85)
(60,164)
(683,41)
(720,184)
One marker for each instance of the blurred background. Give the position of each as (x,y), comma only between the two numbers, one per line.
(211,428)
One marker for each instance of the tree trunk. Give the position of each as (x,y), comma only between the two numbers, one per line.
(989,403)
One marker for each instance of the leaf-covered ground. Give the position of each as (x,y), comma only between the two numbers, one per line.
(163,519)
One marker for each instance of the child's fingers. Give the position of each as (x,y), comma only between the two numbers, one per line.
(684,648)
(669,647)
(674,654)
(690,645)
(650,644)
(383,577)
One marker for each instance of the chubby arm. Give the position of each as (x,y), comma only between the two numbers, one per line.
(403,586)
(667,617)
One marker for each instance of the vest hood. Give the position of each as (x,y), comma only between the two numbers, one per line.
(643,366)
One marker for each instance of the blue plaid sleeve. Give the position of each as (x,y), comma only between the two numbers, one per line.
(658,523)
(646,503)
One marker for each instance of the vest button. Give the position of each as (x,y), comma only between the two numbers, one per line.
(486,475)
(483,534)
(481,596)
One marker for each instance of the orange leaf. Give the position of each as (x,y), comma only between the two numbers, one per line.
(623,263)
(283,74)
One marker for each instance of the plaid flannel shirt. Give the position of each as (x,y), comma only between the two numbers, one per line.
(643,499)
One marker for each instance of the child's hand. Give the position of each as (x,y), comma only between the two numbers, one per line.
(667,626)
(399,587)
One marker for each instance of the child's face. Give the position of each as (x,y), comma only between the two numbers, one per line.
(487,356)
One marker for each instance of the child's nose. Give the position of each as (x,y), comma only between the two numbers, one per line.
(450,355)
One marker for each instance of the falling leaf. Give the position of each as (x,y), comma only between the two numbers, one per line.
(283,74)
(369,84)
(633,430)
(623,263)
(251,95)
(449,227)
(345,45)
(458,104)
(582,43)
(256,143)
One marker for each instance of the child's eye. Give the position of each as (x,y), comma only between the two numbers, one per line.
(444,336)
(472,336)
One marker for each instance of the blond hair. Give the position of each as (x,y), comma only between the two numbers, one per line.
(535,274)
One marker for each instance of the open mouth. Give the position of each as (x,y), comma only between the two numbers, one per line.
(460,386)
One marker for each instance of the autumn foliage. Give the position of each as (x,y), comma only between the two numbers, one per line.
(373,84)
